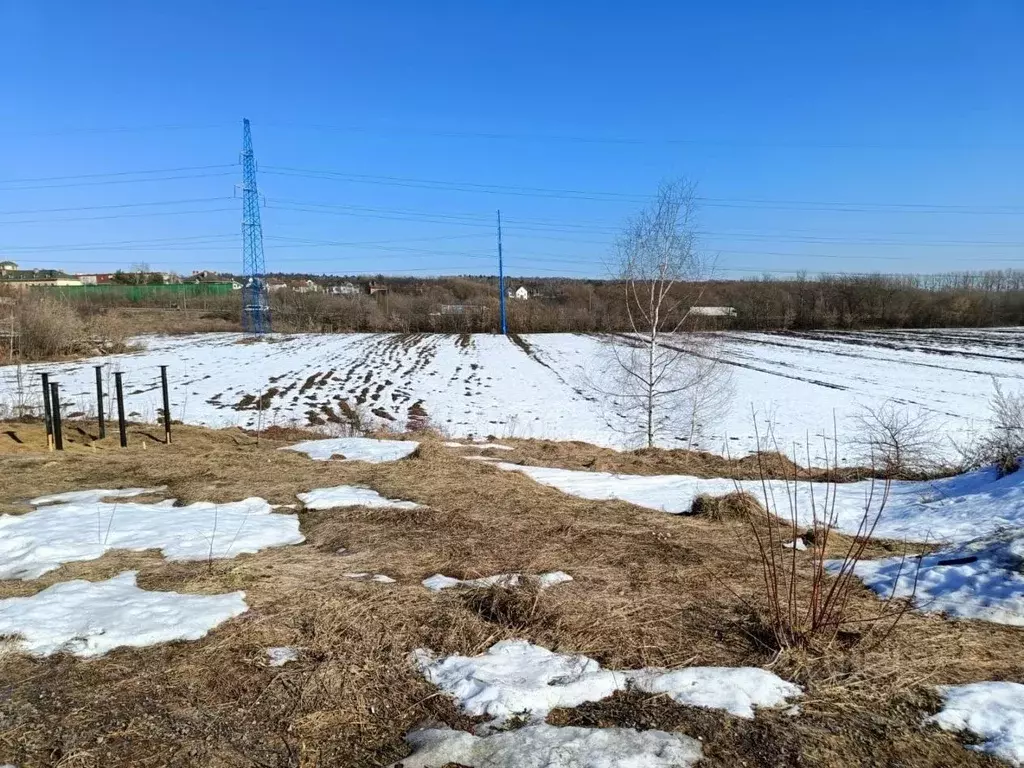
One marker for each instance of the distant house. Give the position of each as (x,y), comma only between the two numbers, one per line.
(344,289)
(375,287)
(102,278)
(519,293)
(276,285)
(713,311)
(11,276)
(305,286)
(206,276)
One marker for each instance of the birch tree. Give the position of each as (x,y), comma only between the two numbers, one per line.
(664,378)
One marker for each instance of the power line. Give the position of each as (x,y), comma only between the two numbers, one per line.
(106,182)
(575,194)
(179,169)
(624,140)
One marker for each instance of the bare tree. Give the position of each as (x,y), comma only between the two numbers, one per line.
(139,273)
(898,438)
(664,377)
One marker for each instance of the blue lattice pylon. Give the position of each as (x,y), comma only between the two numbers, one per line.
(255,296)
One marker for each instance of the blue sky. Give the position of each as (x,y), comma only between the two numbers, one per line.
(863,137)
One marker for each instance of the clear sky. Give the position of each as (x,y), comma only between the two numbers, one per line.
(858,137)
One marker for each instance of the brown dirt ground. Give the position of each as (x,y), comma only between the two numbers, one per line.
(649,589)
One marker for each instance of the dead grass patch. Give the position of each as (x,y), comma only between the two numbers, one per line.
(676,461)
(648,591)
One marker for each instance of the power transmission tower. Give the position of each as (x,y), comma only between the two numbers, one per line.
(255,296)
(501,281)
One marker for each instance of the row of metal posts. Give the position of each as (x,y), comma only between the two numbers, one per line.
(51,409)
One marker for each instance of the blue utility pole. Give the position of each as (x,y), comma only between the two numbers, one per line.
(255,297)
(501,281)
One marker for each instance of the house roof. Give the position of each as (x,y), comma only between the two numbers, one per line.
(34,274)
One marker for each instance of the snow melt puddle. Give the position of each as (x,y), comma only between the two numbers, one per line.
(545,746)
(991,711)
(281,655)
(89,618)
(956,508)
(437,582)
(79,526)
(515,677)
(350,496)
(982,579)
(355,449)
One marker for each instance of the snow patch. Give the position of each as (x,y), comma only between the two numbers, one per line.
(350,496)
(437,582)
(281,655)
(355,449)
(378,577)
(545,746)
(958,508)
(79,526)
(89,618)
(515,677)
(797,544)
(991,711)
(982,579)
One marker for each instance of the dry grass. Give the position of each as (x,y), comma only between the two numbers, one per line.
(649,589)
(671,461)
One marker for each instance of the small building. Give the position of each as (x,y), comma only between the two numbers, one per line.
(7,266)
(101,278)
(276,285)
(713,311)
(519,293)
(375,287)
(34,278)
(305,286)
(344,289)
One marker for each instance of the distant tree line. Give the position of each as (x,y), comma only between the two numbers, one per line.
(469,304)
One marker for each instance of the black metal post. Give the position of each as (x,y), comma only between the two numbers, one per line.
(120,410)
(58,437)
(99,401)
(167,405)
(46,410)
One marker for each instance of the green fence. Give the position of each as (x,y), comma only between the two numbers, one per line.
(143,292)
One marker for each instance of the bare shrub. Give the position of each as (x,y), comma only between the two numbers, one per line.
(1003,444)
(897,438)
(109,332)
(807,595)
(48,327)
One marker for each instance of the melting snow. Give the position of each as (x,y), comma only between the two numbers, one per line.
(90,618)
(350,496)
(797,544)
(956,508)
(515,677)
(982,579)
(355,449)
(378,577)
(991,711)
(281,655)
(545,746)
(438,582)
(79,526)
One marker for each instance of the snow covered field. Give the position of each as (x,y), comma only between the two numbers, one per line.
(487,384)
